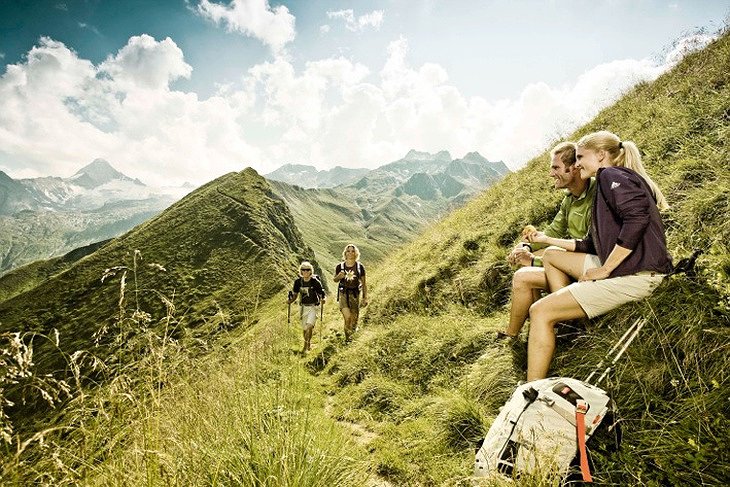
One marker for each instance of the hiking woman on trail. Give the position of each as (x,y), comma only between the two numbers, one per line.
(350,276)
(623,258)
(311,295)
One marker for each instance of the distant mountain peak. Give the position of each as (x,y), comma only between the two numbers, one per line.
(99,172)
(414,155)
(309,177)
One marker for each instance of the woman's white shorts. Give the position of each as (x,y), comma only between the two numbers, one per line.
(600,297)
(309,316)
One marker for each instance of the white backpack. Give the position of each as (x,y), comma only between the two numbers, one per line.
(539,429)
(544,426)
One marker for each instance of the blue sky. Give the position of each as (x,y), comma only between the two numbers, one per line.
(172,91)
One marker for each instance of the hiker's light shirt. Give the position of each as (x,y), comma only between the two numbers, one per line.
(573,220)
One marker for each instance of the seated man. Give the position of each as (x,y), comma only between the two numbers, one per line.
(572,221)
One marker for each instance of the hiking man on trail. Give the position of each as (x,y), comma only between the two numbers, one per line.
(572,221)
(311,295)
(350,276)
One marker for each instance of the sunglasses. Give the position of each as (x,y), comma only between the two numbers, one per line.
(306,270)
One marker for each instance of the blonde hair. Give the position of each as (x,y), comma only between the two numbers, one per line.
(623,154)
(565,152)
(357,251)
(306,265)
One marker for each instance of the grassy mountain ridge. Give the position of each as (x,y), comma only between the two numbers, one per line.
(426,377)
(224,248)
(31,275)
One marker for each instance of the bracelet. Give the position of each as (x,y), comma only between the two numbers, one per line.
(532,262)
(527,245)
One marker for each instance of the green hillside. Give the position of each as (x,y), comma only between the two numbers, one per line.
(214,256)
(231,401)
(426,377)
(31,275)
(329,219)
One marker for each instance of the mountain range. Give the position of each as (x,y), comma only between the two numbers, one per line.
(309,177)
(48,216)
(388,206)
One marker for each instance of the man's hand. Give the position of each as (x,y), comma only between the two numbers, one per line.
(364,302)
(520,256)
(595,274)
(537,237)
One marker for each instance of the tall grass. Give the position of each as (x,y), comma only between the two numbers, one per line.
(248,414)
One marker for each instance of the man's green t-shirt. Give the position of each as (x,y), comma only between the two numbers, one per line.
(573,220)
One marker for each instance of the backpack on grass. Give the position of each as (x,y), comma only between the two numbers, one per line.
(544,426)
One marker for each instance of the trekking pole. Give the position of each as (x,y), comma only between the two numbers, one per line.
(288,309)
(321,325)
(620,347)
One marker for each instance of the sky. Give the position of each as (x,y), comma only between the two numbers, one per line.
(174,91)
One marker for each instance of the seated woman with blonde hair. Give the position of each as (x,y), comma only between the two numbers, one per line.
(623,258)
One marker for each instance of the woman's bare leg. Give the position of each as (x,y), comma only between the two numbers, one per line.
(561,266)
(544,314)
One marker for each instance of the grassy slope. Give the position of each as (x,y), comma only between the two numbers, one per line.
(419,369)
(330,219)
(423,378)
(225,247)
(31,275)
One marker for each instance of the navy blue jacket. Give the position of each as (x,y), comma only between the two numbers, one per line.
(625,214)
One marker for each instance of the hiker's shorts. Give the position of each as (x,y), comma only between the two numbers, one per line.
(309,316)
(600,297)
(350,301)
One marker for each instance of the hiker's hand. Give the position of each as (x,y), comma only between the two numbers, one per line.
(364,302)
(340,275)
(537,237)
(520,256)
(595,274)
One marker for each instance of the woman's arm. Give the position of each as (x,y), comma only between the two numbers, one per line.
(364,283)
(617,255)
(339,274)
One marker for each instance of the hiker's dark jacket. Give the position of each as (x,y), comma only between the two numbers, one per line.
(310,292)
(626,214)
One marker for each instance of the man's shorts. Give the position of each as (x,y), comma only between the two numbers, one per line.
(600,297)
(350,301)
(309,316)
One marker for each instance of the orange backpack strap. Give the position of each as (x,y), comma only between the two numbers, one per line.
(581,408)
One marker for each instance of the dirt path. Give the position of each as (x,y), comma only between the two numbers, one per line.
(362,437)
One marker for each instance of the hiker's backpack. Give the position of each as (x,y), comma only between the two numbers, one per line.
(539,430)
(544,427)
(358,273)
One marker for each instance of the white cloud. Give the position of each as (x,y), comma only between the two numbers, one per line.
(59,112)
(687,45)
(146,63)
(324,29)
(253,18)
(372,19)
